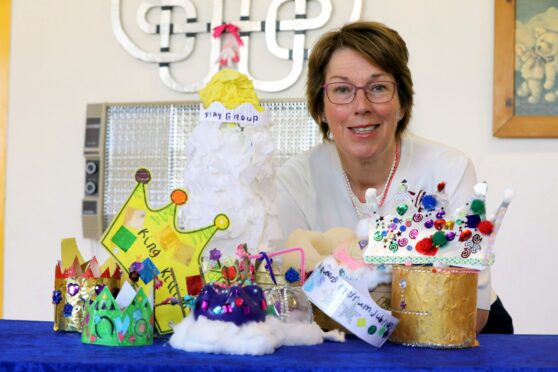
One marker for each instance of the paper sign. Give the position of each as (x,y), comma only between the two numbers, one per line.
(343,303)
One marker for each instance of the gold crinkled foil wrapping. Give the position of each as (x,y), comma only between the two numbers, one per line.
(74,322)
(440,308)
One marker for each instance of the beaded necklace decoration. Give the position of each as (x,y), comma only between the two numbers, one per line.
(364,210)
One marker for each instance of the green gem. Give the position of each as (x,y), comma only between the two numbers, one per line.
(393,247)
(402,209)
(378,236)
(372,330)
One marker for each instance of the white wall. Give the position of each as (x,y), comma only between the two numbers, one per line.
(64,55)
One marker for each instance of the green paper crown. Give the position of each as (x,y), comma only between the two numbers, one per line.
(106,324)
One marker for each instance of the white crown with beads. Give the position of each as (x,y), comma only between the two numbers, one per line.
(419,229)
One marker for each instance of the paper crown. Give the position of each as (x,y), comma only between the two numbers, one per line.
(75,285)
(150,237)
(119,322)
(421,230)
(235,304)
(235,279)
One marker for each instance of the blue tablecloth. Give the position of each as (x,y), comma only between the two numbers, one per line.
(35,346)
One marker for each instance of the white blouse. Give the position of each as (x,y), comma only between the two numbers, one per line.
(313,194)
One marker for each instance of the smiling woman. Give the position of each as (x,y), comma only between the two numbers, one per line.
(4,59)
(360,92)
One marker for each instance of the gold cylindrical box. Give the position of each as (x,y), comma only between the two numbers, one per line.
(437,307)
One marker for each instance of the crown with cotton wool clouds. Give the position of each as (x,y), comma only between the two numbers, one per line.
(419,229)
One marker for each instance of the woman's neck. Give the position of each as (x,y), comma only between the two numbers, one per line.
(363,174)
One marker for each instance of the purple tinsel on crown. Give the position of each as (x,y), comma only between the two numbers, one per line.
(235,304)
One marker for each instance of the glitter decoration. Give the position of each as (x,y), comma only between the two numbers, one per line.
(465,236)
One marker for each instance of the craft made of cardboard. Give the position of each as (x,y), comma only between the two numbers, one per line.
(421,230)
(148,244)
(76,282)
(119,322)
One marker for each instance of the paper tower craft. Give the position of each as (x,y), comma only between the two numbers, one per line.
(230,165)
(147,243)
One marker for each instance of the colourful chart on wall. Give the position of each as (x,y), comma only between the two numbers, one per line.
(147,243)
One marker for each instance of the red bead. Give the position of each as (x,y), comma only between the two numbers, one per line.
(465,235)
(439,224)
(441,186)
(238,301)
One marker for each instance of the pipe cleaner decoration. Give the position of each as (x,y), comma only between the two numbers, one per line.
(230,44)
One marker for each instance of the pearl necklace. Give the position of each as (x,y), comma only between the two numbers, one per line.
(363,210)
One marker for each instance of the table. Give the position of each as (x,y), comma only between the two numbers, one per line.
(35,346)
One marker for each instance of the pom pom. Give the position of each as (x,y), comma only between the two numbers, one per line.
(486,227)
(292,276)
(439,239)
(480,189)
(370,195)
(426,247)
(508,196)
(477,206)
(429,202)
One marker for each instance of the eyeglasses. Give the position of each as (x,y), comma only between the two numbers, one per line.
(376,92)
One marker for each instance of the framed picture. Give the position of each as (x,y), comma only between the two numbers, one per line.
(525,68)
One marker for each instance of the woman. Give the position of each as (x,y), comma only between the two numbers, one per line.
(360,91)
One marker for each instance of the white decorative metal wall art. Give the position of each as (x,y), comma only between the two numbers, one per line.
(231,41)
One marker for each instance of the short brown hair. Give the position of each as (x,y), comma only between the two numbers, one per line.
(378,44)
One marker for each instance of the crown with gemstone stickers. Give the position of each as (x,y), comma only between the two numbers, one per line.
(124,321)
(237,304)
(149,241)
(419,229)
(77,283)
